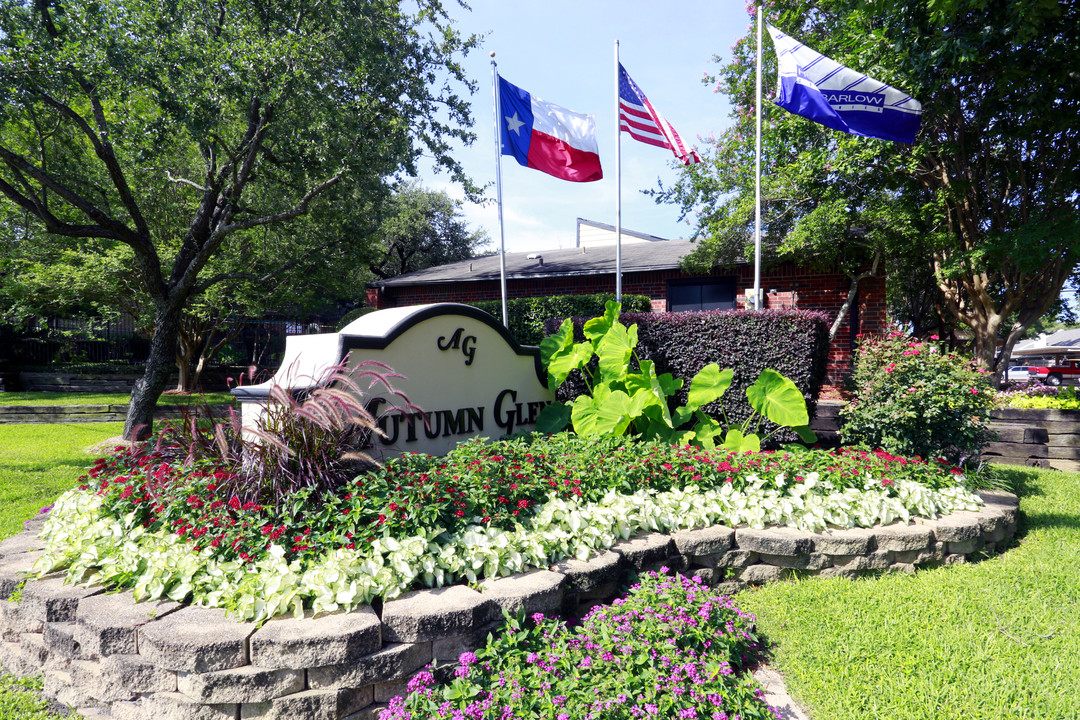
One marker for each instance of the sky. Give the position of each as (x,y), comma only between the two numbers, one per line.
(563,52)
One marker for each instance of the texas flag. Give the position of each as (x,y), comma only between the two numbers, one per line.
(546,137)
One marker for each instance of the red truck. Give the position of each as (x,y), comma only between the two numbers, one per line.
(1067,371)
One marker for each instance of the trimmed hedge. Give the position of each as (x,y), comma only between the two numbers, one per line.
(527,316)
(792,342)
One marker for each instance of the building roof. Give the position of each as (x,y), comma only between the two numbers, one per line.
(636,257)
(1062,342)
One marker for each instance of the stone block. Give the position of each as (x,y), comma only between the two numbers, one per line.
(757,574)
(33,646)
(645,551)
(958,527)
(196,639)
(730,587)
(603,592)
(387,691)
(582,576)
(89,679)
(60,640)
(447,650)
(246,684)
(332,639)
(850,562)
(539,591)
(708,575)
(15,660)
(371,712)
(132,710)
(846,572)
(928,556)
(13,571)
(847,541)
(60,685)
(393,661)
(174,706)
(137,674)
(107,624)
(775,541)
(737,559)
(813,561)
(878,560)
(955,560)
(322,704)
(899,537)
(51,600)
(906,568)
(424,615)
(24,542)
(965,547)
(14,621)
(704,541)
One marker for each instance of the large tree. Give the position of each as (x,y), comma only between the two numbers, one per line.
(421,228)
(177,129)
(986,197)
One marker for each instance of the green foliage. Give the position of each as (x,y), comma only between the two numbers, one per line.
(916,398)
(607,666)
(977,221)
(619,400)
(1064,397)
(527,316)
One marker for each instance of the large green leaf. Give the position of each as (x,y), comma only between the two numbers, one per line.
(597,327)
(708,385)
(737,442)
(653,389)
(615,349)
(553,418)
(805,434)
(606,414)
(777,398)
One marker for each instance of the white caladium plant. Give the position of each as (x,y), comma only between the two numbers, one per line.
(96,548)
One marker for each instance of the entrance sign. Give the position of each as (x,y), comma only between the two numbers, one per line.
(461,367)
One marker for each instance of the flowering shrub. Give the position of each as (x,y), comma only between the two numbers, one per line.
(166,530)
(1039,396)
(670,649)
(915,398)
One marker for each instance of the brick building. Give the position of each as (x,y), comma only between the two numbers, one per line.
(650,266)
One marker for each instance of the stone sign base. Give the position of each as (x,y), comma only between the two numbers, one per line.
(108,656)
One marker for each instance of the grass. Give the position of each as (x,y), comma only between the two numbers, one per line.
(997,639)
(71,398)
(39,461)
(20,699)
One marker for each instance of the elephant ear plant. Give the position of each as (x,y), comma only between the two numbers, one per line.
(619,401)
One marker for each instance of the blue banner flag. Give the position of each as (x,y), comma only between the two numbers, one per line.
(823,90)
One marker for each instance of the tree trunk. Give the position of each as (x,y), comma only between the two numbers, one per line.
(159,365)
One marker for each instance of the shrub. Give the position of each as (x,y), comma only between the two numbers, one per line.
(313,441)
(1036,395)
(528,316)
(795,343)
(670,649)
(916,398)
(620,400)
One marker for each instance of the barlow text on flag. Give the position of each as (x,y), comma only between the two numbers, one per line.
(546,137)
(639,118)
(823,90)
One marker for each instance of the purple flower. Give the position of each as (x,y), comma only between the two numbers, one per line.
(467,658)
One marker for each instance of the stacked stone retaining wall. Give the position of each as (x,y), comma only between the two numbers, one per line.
(111,657)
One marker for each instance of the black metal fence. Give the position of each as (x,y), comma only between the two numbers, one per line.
(87,345)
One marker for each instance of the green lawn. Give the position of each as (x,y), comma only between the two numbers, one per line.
(70,398)
(39,461)
(996,639)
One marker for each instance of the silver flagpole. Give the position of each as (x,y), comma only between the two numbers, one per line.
(498,185)
(757,177)
(618,185)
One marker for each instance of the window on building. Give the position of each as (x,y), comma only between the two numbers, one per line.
(701,294)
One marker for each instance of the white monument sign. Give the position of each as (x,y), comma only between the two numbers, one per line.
(460,366)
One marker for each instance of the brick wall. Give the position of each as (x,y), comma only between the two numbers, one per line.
(794,288)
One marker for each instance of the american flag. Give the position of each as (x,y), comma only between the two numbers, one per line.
(638,117)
